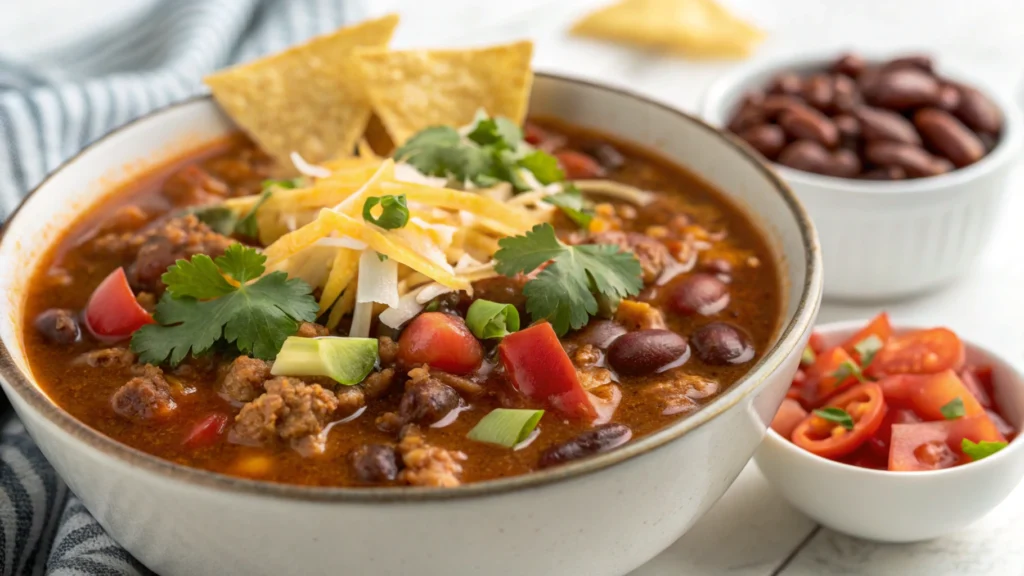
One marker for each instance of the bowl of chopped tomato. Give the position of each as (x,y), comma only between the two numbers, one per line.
(896,433)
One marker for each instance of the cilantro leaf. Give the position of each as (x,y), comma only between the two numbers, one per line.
(982,449)
(953,409)
(246,225)
(847,369)
(498,131)
(440,151)
(837,415)
(220,219)
(867,348)
(201,308)
(544,167)
(572,205)
(564,291)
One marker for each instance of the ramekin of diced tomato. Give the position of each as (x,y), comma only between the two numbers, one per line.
(896,433)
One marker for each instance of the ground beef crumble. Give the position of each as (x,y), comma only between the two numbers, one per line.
(290,409)
(145,396)
(162,246)
(427,465)
(107,358)
(244,379)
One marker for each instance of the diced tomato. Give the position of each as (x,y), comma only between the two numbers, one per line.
(207,430)
(540,369)
(579,166)
(971,382)
(534,134)
(786,419)
(926,394)
(919,352)
(937,445)
(823,370)
(878,327)
(865,457)
(817,343)
(113,313)
(441,340)
(879,443)
(865,406)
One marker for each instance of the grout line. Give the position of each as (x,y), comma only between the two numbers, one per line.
(803,544)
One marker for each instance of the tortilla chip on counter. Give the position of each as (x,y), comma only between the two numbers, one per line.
(415,89)
(309,99)
(694,28)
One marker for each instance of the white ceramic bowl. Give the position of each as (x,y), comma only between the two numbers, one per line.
(889,239)
(900,506)
(603,516)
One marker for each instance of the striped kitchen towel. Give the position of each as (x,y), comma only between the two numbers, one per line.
(49,111)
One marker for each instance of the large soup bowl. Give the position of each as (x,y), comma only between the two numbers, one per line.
(602,516)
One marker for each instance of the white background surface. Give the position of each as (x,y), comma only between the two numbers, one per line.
(751,531)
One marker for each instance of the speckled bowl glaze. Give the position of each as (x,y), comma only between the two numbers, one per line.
(602,516)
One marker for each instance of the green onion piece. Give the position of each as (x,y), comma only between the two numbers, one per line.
(344,360)
(394,211)
(867,348)
(837,415)
(982,449)
(953,409)
(488,319)
(286,184)
(847,369)
(808,357)
(505,426)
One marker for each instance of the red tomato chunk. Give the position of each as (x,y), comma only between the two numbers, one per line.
(442,341)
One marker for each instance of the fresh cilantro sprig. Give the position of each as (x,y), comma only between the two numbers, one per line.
(836,415)
(953,409)
(573,205)
(565,292)
(201,307)
(983,449)
(226,221)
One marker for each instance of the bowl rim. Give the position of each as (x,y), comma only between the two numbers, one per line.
(729,88)
(851,326)
(789,336)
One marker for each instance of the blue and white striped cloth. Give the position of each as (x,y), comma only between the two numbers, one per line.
(48,112)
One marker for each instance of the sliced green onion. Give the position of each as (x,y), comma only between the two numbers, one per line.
(837,415)
(506,426)
(394,211)
(953,409)
(344,360)
(808,357)
(867,348)
(488,319)
(982,449)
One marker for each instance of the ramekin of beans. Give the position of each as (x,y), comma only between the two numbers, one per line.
(888,155)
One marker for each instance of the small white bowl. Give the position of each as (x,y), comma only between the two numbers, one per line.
(889,239)
(900,506)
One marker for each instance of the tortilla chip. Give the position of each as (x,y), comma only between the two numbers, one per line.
(309,99)
(697,28)
(416,89)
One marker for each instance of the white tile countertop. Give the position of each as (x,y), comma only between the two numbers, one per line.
(751,531)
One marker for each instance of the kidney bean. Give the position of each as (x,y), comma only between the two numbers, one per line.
(868,79)
(647,351)
(879,124)
(988,140)
(374,463)
(768,139)
(949,136)
(777,104)
(746,117)
(819,91)
(949,98)
(786,83)
(58,326)
(914,159)
(805,155)
(885,173)
(722,344)
(849,130)
(845,164)
(847,95)
(806,123)
(595,441)
(918,61)
(849,65)
(904,88)
(719,266)
(979,112)
(753,98)
(428,401)
(608,156)
(600,333)
(699,294)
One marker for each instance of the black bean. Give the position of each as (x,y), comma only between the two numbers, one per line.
(428,401)
(647,351)
(58,326)
(601,439)
(720,343)
(374,463)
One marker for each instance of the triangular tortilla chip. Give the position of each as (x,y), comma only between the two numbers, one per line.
(309,99)
(415,89)
(698,28)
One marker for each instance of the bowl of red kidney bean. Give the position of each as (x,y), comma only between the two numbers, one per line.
(901,163)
